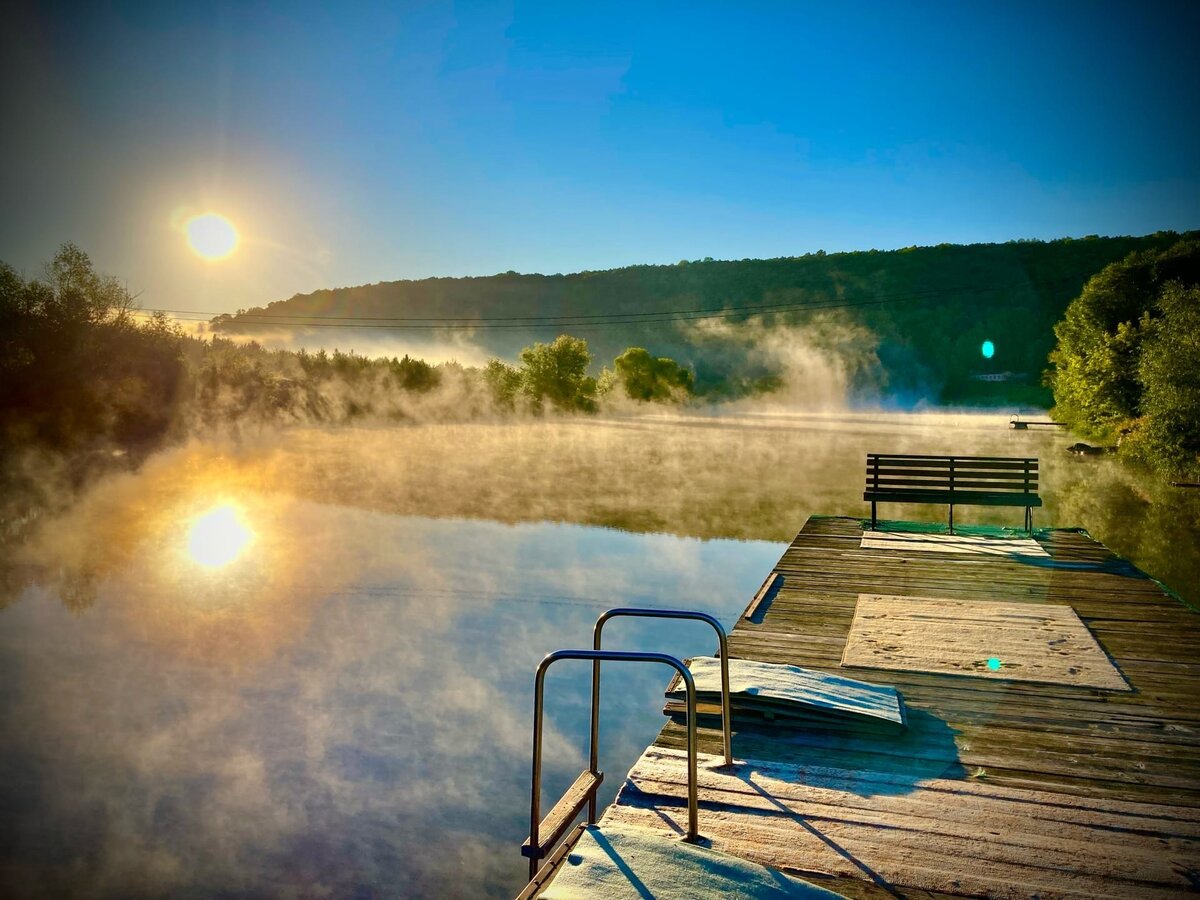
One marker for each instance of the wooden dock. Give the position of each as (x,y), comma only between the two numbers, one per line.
(998,787)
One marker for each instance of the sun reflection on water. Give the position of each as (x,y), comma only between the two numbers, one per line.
(218,536)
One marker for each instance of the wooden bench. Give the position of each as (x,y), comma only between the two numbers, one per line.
(954,480)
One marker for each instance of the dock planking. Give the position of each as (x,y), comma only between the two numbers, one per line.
(997,787)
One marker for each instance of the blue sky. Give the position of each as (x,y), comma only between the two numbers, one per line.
(375,142)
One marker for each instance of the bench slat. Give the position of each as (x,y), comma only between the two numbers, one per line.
(1005,459)
(958,498)
(943,492)
(1010,486)
(943,473)
(944,464)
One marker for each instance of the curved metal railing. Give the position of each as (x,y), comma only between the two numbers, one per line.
(535,849)
(642,613)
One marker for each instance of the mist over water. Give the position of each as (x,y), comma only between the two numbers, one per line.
(750,473)
(342,707)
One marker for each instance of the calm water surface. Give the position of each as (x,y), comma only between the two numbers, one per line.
(343,710)
(329,693)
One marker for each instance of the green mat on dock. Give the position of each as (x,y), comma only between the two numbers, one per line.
(995,531)
(626,862)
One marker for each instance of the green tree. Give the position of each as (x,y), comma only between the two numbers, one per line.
(415,374)
(1094,372)
(1169,373)
(76,368)
(503,382)
(606,382)
(645,377)
(79,377)
(75,293)
(557,373)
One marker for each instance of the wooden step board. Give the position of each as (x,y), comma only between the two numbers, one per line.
(618,862)
(760,691)
(564,812)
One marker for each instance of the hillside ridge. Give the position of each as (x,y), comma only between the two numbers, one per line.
(928,308)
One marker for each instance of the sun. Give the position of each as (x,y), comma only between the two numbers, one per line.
(218,536)
(211,235)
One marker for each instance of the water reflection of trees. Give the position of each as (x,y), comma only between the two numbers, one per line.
(1139,517)
(751,480)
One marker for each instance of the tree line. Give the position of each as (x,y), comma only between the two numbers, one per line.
(85,380)
(930,308)
(88,383)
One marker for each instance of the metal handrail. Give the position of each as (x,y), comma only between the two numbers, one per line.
(637,612)
(693,832)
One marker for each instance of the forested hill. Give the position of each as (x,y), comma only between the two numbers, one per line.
(929,308)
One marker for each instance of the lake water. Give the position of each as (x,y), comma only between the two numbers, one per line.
(339,703)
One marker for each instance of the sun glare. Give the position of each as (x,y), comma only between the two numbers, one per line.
(218,536)
(211,235)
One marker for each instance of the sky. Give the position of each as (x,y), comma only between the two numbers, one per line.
(355,143)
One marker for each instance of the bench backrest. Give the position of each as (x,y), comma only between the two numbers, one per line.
(904,473)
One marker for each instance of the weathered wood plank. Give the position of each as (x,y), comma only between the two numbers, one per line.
(770,587)
(970,831)
(997,788)
(1024,642)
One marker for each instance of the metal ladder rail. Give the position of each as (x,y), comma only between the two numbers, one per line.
(644,613)
(534,849)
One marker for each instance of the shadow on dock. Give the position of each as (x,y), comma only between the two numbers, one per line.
(859,761)
(804,823)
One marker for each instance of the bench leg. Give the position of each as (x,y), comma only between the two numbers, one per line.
(873,521)
(952,518)
(1029,520)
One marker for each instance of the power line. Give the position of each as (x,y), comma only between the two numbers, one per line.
(581,321)
(571,317)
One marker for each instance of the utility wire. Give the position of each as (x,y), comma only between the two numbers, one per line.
(589,321)
(666,312)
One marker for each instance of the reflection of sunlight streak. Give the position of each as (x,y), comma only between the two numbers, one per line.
(218,536)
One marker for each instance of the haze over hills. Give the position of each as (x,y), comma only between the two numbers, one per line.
(903,326)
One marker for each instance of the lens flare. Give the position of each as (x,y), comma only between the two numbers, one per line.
(988,349)
(211,235)
(218,537)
